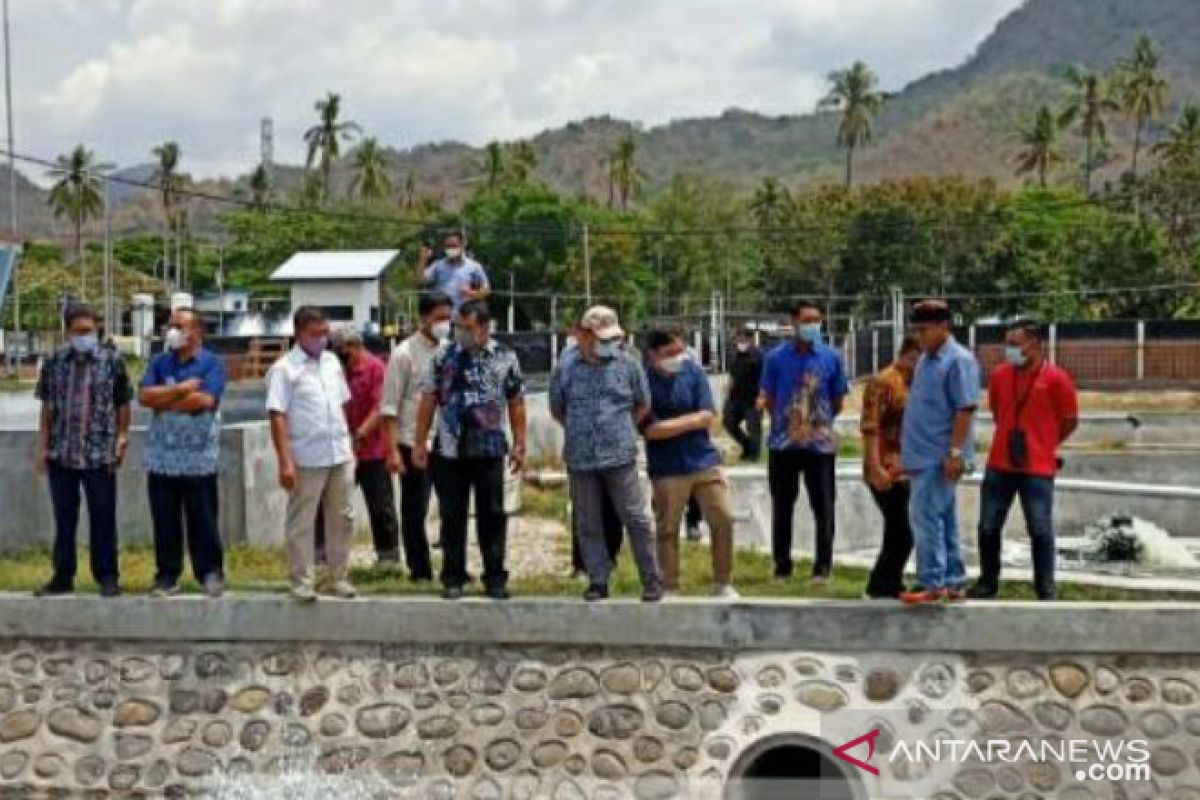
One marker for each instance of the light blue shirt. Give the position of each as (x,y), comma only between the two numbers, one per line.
(595,401)
(944,383)
(450,278)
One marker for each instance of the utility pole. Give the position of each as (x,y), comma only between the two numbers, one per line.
(553,331)
(587,266)
(512,302)
(12,170)
(108,278)
(220,289)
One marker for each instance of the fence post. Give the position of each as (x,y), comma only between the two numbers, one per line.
(553,331)
(852,350)
(971,338)
(1141,350)
(1053,342)
(874,350)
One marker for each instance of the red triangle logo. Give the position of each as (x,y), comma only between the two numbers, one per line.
(869,738)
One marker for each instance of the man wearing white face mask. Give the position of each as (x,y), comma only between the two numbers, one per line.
(401,398)
(460,278)
(183,388)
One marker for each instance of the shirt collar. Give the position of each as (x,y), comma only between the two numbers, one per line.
(300,358)
(946,345)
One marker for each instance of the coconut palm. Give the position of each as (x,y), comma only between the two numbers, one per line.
(1142,90)
(522,161)
(371,180)
(409,195)
(1039,152)
(1181,146)
(768,202)
(624,178)
(492,164)
(1090,104)
(853,92)
(324,139)
(170,185)
(78,192)
(260,188)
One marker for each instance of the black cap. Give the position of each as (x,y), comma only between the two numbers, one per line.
(930,311)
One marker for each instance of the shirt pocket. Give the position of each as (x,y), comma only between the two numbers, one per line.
(618,387)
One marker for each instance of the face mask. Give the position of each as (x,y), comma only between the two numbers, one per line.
(440,330)
(314,347)
(465,339)
(606,349)
(810,333)
(87,343)
(572,341)
(453,253)
(174,339)
(1014,356)
(672,365)
(743,347)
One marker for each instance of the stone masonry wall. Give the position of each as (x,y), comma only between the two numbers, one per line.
(92,719)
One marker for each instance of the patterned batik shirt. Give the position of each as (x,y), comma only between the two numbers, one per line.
(473,389)
(83,392)
(883,417)
(595,401)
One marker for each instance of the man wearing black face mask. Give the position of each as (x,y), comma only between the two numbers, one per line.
(83,436)
(745,374)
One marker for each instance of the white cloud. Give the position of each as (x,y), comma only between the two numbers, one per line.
(123,75)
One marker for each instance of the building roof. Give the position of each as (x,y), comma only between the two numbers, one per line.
(335,265)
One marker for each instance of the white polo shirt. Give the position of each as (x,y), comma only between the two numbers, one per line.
(406,372)
(312,392)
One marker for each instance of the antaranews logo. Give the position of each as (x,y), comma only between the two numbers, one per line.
(1111,760)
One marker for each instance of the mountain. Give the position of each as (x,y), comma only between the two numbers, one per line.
(960,121)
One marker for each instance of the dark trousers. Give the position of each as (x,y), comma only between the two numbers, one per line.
(614,532)
(415,485)
(458,478)
(887,578)
(373,478)
(784,469)
(1037,502)
(100,488)
(738,413)
(180,503)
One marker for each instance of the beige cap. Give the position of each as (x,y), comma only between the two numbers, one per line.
(602,321)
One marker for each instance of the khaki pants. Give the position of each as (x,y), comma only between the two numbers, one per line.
(331,488)
(716,504)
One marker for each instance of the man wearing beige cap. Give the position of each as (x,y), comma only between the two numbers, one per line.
(600,397)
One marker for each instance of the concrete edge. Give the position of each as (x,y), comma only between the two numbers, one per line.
(747,625)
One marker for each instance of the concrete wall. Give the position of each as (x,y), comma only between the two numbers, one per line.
(263,698)
(362,295)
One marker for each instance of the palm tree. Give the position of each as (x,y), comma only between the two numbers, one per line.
(1038,141)
(1142,90)
(410,191)
(853,93)
(492,164)
(522,161)
(260,188)
(1181,147)
(77,193)
(624,178)
(324,139)
(1090,103)
(767,204)
(170,184)
(371,180)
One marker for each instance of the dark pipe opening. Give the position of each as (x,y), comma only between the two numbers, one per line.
(792,768)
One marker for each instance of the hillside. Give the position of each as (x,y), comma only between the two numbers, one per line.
(958,121)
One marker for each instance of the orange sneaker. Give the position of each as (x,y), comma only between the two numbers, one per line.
(922,596)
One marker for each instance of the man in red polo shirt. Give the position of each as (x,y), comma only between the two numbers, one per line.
(1034,408)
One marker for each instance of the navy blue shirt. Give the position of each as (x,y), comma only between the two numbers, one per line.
(674,396)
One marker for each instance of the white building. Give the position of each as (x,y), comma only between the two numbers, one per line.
(342,283)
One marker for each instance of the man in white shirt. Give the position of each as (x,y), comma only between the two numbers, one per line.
(401,397)
(306,402)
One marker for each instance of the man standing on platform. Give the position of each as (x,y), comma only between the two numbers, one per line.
(741,407)
(459,277)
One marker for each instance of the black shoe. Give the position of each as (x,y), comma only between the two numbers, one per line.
(498,593)
(54,588)
(652,595)
(110,590)
(982,591)
(595,592)
(452,593)
(420,578)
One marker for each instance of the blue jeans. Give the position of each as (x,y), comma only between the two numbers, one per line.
(1037,502)
(934,520)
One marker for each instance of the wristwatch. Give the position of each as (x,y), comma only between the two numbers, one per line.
(956,452)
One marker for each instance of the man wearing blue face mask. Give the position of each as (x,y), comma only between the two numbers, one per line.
(83,436)
(803,387)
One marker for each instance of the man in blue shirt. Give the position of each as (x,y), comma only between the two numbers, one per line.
(461,278)
(936,450)
(683,461)
(803,387)
(183,388)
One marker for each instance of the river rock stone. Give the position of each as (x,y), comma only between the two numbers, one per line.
(24,663)
(89,770)
(673,715)
(824,696)
(49,765)
(75,723)
(1102,720)
(771,677)
(135,713)
(1139,690)
(172,666)
(574,684)
(1157,724)
(217,734)
(549,754)
(1053,715)
(608,766)
(1069,679)
(333,725)
(19,725)
(124,777)
(251,699)
(313,700)
(935,680)
(980,681)
(160,772)
(446,673)
(129,746)
(1166,760)
(974,782)
(1178,692)
(341,760)
(194,762)
(411,675)
(283,662)
(567,724)
(439,727)
(213,666)
(616,721)
(881,685)
(997,716)
(530,680)
(137,670)
(254,735)
(97,671)
(531,719)
(622,679)
(655,785)
(1023,683)
(712,715)
(1044,776)
(687,678)
(382,721)
(502,755)
(459,760)
(402,768)
(487,715)
(647,749)
(13,763)
(1107,680)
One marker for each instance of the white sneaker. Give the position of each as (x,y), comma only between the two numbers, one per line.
(303,593)
(725,591)
(345,590)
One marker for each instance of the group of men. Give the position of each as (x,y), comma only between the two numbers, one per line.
(446,414)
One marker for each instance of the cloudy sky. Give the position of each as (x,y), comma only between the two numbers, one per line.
(123,75)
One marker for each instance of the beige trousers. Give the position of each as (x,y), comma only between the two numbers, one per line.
(716,505)
(332,488)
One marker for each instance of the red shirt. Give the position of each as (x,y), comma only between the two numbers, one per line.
(366,393)
(1051,399)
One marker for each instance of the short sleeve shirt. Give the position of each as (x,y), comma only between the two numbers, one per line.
(312,393)
(366,395)
(83,393)
(671,397)
(1049,398)
(406,369)
(804,387)
(883,416)
(473,389)
(445,276)
(595,401)
(944,383)
(179,443)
